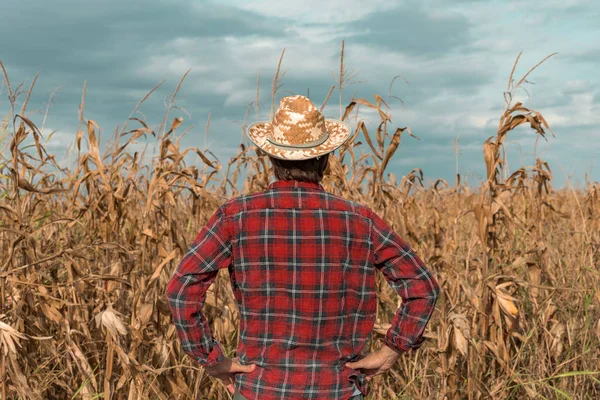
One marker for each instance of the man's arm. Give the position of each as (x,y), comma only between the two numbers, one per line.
(410,278)
(186,291)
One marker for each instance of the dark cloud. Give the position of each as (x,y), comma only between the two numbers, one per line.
(413,30)
(591,56)
(109,39)
(106,44)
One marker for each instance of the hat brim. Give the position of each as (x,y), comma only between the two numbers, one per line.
(339,132)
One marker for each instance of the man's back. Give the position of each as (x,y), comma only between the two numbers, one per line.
(302,265)
(305,288)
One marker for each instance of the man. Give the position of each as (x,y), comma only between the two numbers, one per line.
(302,265)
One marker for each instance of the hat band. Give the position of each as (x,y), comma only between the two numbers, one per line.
(307,145)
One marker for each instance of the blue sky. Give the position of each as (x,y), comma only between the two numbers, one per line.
(456,57)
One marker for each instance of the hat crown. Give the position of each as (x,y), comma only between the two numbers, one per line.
(298,122)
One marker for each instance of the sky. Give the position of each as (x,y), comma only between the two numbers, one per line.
(454,58)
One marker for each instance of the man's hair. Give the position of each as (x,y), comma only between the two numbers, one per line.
(311,170)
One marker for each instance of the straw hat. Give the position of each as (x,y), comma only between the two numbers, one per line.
(298,131)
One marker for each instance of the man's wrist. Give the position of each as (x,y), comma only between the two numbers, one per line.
(388,350)
(215,357)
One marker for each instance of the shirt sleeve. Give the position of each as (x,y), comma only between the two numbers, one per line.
(186,291)
(410,278)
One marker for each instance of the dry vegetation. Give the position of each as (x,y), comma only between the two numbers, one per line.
(87,252)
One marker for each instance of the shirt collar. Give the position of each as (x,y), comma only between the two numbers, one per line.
(295,184)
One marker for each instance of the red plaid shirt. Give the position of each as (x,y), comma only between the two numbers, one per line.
(302,267)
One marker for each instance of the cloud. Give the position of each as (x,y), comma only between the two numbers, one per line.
(314,11)
(108,43)
(591,56)
(413,30)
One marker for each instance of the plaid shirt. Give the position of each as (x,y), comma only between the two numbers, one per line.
(302,267)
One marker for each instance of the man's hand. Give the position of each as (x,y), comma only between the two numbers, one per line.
(227,369)
(377,362)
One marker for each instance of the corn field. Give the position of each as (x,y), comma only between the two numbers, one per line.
(87,251)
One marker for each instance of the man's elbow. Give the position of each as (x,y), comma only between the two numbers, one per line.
(435,290)
(172,290)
